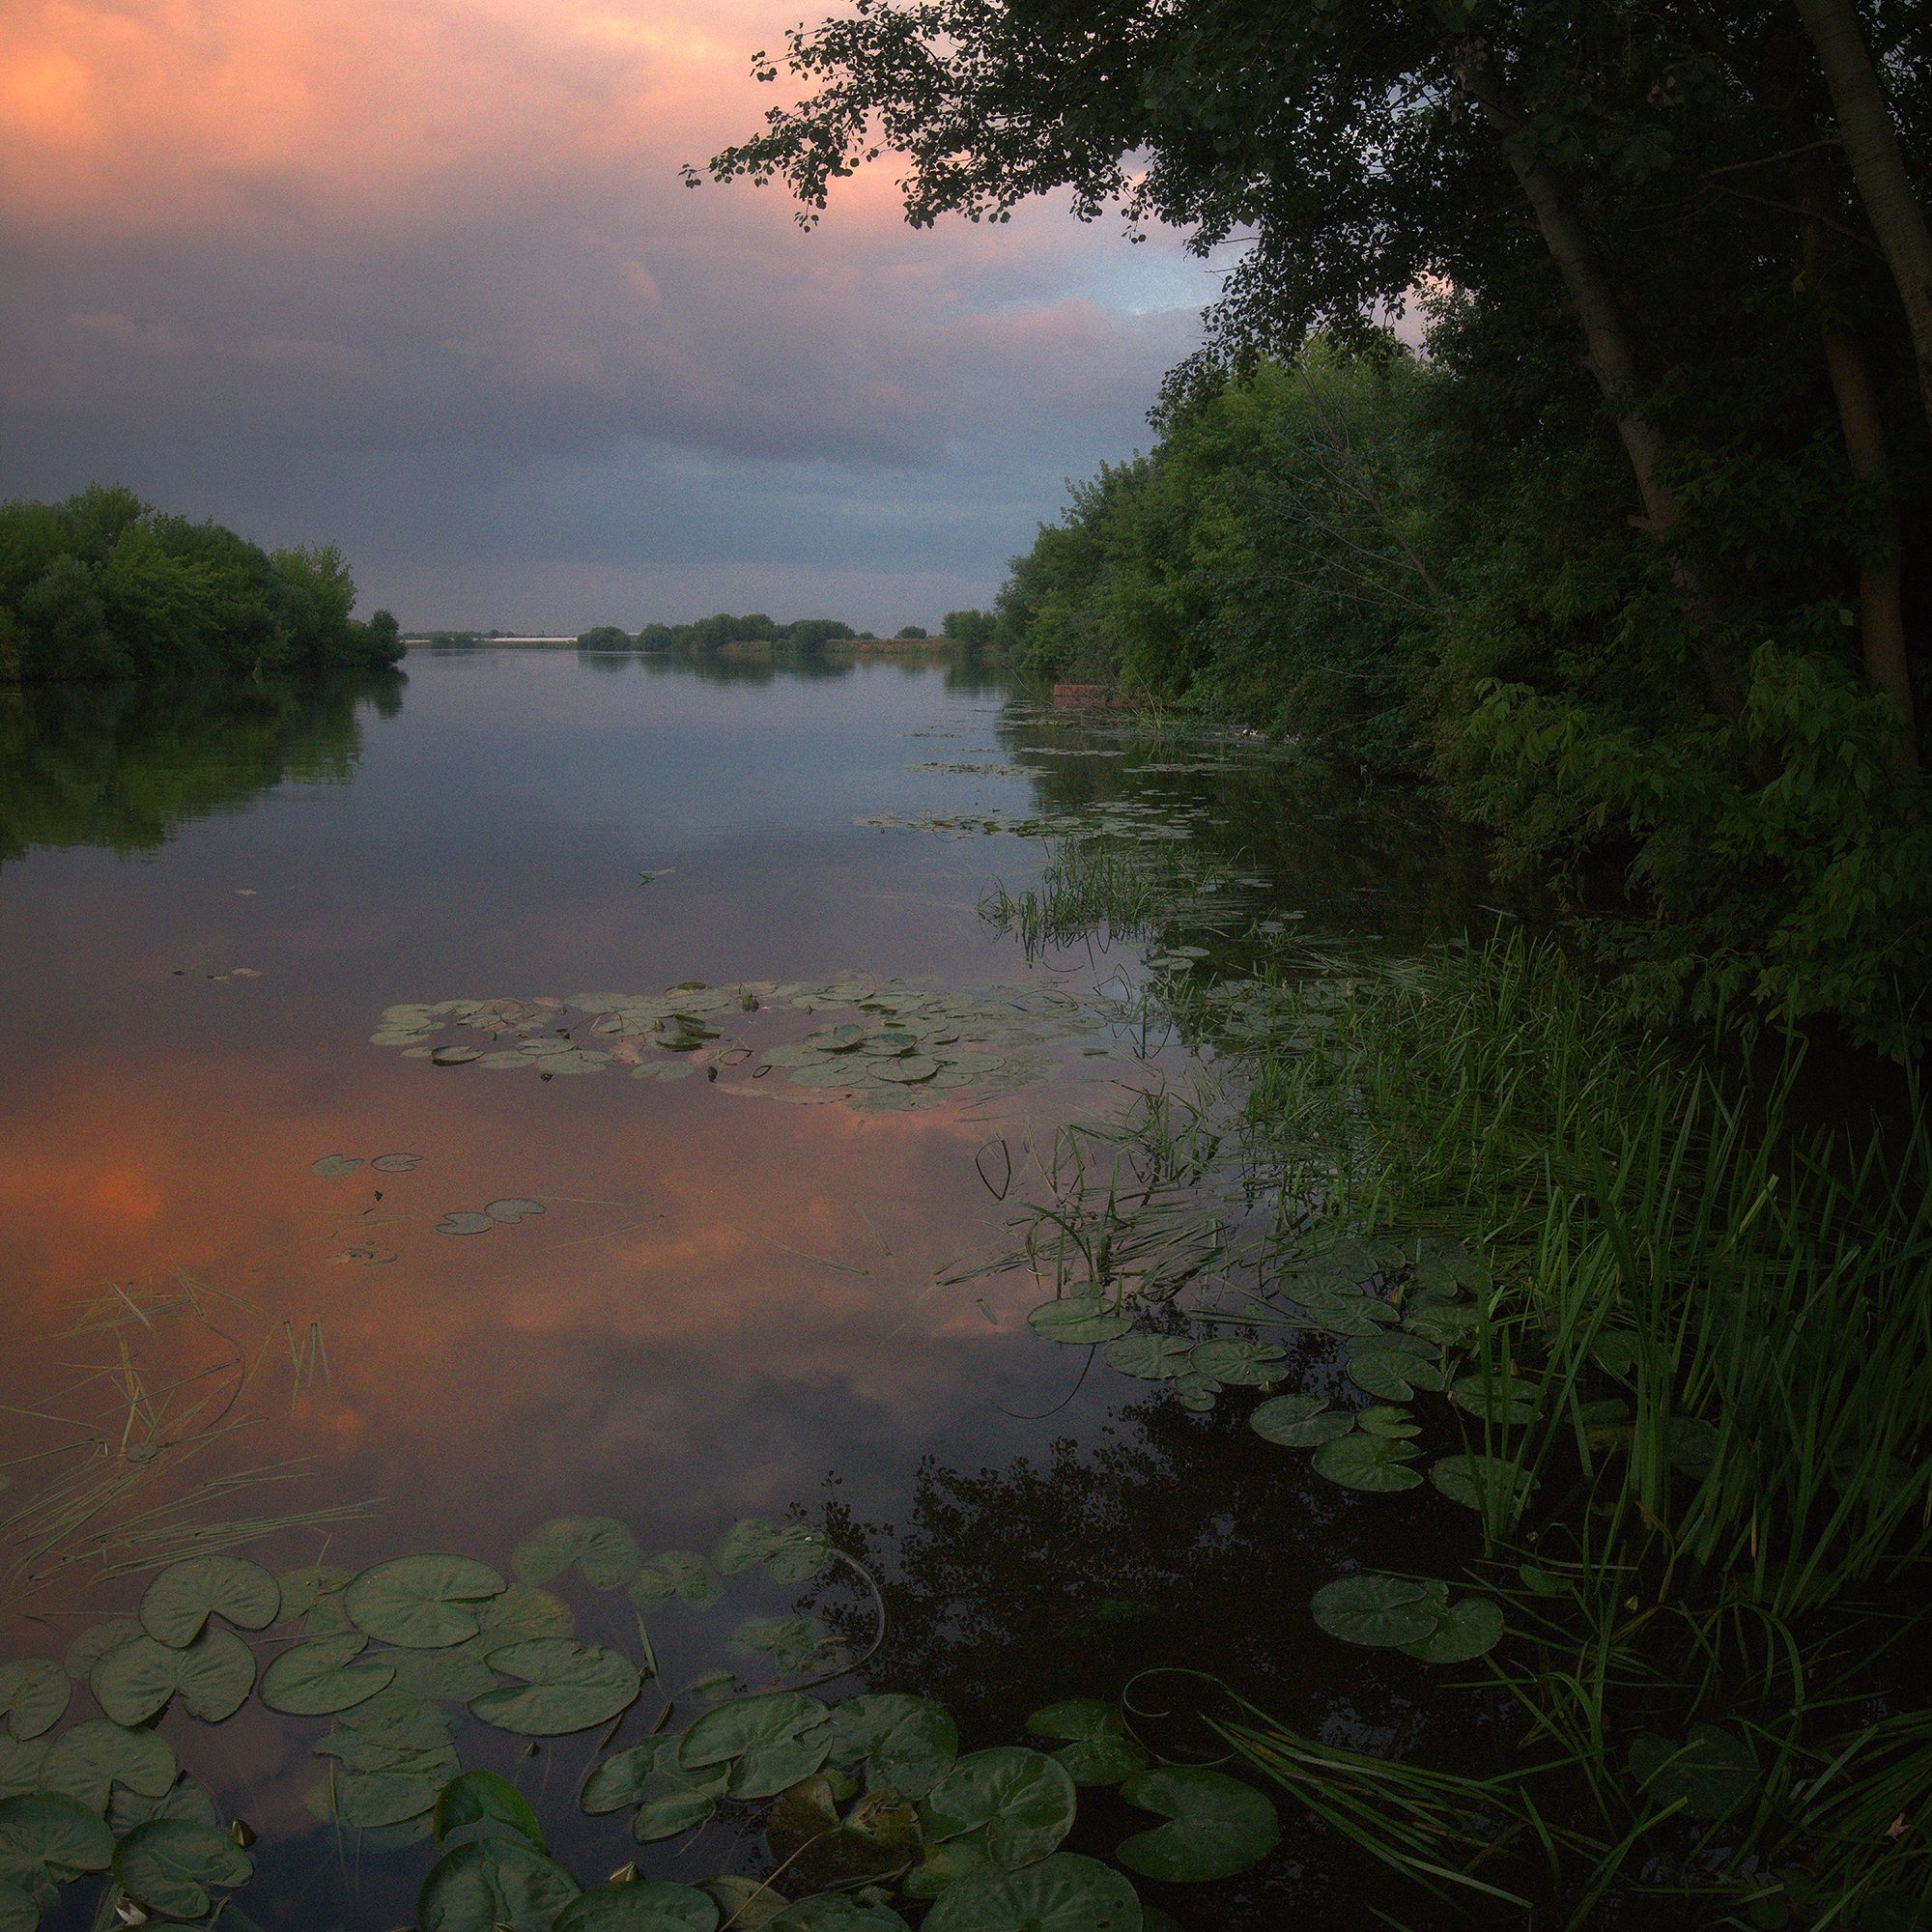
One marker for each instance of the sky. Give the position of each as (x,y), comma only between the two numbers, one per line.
(419,277)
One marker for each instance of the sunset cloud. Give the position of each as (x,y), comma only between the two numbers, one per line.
(345,270)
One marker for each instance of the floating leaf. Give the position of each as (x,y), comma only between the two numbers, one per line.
(837,1912)
(1392,1374)
(1709,1772)
(513,1209)
(168,1866)
(1098,1750)
(88,1759)
(1471,1479)
(1216,1826)
(1368,1463)
(1498,1398)
(1396,1423)
(1299,1421)
(1017,1803)
(641,1905)
(396,1163)
(793,1552)
(20,1764)
(621,1779)
(499,1884)
(682,1574)
(310,1680)
(1151,1357)
(461,1673)
(567,1687)
(1382,1611)
(33,1693)
(1469,1628)
(907,1744)
(748,1905)
(177,1603)
(601,1547)
(747,1724)
(465,1221)
(213,1676)
(480,1805)
(20,1911)
(1248,1364)
(369,1801)
(95,1642)
(334,1166)
(454,1056)
(45,1840)
(1079,1319)
(421,1603)
(188,1798)
(522,1610)
(1065,1892)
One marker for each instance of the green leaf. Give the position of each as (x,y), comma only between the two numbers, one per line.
(1244,1364)
(1360,1462)
(907,1744)
(188,1798)
(310,1680)
(1396,1423)
(792,1552)
(1390,1372)
(1386,1613)
(748,1905)
(682,1574)
(1017,1803)
(1470,1627)
(603,1551)
(837,1912)
(1153,1358)
(1098,1751)
(481,1805)
(168,1866)
(213,1677)
(20,1764)
(1710,1772)
(1079,1319)
(521,1612)
(461,1672)
(1497,1398)
(179,1602)
(1216,1826)
(1065,1892)
(499,1886)
(641,1905)
(88,1759)
(1471,1479)
(34,1694)
(668,1798)
(95,1642)
(20,1911)
(567,1687)
(1299,1421)
(369,1801)
(747,1725)
(421,1603)
(50,1838)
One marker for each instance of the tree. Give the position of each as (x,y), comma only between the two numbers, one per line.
(973,629)
(604,638)
(910,631)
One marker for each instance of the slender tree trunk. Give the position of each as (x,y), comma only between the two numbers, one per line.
(1871,141)
(1881,605)
(1609,354)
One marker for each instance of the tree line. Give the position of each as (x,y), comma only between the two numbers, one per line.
(803,635)
(1630,556)
(104,586)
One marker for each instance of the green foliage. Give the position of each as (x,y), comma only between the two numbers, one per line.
(604,638)
(104,587)
(973,630)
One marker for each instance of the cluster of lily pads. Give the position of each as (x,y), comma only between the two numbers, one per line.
(1131,821)
(874,1811)
(907,1046)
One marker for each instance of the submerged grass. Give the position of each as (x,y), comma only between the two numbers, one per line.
(1710,1535)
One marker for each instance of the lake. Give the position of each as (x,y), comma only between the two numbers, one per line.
(302,1230)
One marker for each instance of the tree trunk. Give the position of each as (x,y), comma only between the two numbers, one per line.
(1871,141)
(1880,608)
(1608,355)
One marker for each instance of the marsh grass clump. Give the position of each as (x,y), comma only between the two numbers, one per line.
(1696,1404)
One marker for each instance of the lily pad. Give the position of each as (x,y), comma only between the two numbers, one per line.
(373,1801)
(1360,1462)
(1471,1479)
(602,1551)
(837,1912)
(1469,1628)
(96,1641)
(1017,1804)
(421,1603)
(1098,1749)
(567,1687)
(641,1905)
(513,1209)
(213,1677)
(20,1764)
(1384,1612)
(396,1163)
(1498,1398)
(499,1886)
(334,1166)
(1249,1364)
(480,1805)
(1065,1892)
(1216,1826)
(907,1744)
(793,1552)
(179,1602)
(34,1694)
(89,1758)
(1079,1319)
(680,1574)
(465,1221)
(522,1611)
(312,1597)
(1392,1374)
(1398,1424)
(47,1839)
(1152,1358)
(311,1680)
(1710,1772)
(168,1866)
(1299,1421)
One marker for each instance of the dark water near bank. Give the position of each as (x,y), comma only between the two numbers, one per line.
(726,1308)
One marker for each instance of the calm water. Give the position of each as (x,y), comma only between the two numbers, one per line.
(727,1307)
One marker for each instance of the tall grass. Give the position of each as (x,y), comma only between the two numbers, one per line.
(1720,1513)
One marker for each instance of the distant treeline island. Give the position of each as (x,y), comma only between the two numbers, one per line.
(104,586)
(974,628)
